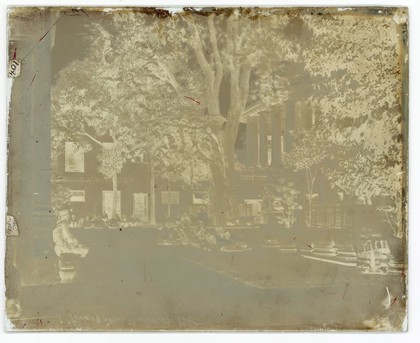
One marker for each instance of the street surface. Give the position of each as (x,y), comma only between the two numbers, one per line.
(129,280)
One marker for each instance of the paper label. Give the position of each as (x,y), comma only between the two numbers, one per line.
(14,68)
(11,226)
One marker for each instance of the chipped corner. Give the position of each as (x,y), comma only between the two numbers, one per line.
(401,15)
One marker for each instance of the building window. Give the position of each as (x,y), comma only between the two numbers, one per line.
(282,144)
(170,198)
(77,196)
(338,215)
(313,118)
(269,149)
(200,198)
(74,159)
(141,206)
(254,206)
(108,145)
(108,203)
(298,115)
(254,178)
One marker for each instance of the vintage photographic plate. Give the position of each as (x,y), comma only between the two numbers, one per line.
(207,169)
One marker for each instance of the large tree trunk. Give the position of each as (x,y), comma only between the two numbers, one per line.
(152,196)
(310,179)
(309,213)
(169,200)
(239,71)
(114,196)
(224,204)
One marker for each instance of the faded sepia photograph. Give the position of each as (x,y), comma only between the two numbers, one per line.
(207,169)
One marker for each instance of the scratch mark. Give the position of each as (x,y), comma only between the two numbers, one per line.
(402,274)
(50,28)
(32,80)
(45,34)
(233,257)
(389,297)
(346,289)
(84,12)
(192,99)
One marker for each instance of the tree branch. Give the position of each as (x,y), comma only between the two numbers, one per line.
(213,85)
(217,58)
(308,181)
(197,46)
(83,133)
(390,222)
(169,76)
(230,44)
(257,108)
(244,84)
(93,138)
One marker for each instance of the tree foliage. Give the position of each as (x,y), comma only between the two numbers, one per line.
(174,90)
(202,71)
(281,198)
(357,63)
(311,150)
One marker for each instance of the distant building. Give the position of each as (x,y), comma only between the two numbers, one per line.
(91,194)
(261,144)
(268,136)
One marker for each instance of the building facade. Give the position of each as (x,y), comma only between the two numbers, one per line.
(261,145)
(268,136)
(90,194)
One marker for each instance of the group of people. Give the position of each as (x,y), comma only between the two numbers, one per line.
(65,242)
(96,221)
(193,231)
(87,221)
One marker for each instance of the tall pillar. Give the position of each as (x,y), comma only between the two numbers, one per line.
(277,132)
(290,124)
(29,160)
(299,115)
(263,136)
(307,115)
(252,141)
